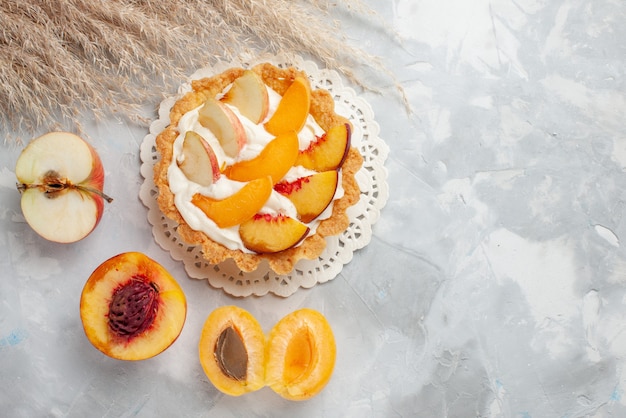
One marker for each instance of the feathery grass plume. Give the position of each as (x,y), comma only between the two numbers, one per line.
(62,58)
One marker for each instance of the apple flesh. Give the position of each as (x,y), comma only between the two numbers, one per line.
(249,95)
(61,178)
(224,124)
(199,163)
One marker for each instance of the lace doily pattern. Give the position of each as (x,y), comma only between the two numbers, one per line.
(372,180)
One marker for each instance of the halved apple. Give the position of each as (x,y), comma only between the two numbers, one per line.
(224,124)
(275,160)
(293,108)
(310,195)
(199,163)
(329,151)
(249,95)
(239,207)
(61,179)
(264,233)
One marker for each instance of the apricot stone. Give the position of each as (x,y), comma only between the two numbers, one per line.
(232,351)
(132,308)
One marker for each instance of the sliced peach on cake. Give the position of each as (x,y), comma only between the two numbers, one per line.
(275,160)
(232,351)
(132,308)
(224,124)
(312,194)
(293,108)
(301,354)
(329,151)
(249,95)
(239,207)
(199,162)
(264,233)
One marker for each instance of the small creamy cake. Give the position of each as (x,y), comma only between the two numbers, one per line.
(256,165)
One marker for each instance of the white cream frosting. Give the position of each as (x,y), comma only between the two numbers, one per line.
(184,189)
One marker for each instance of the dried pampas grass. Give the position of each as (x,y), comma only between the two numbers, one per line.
(60,58)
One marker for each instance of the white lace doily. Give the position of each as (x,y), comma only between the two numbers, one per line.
(372,180)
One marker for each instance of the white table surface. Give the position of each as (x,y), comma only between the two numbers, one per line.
(495,281)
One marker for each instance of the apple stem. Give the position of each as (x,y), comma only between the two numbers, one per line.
(55,187)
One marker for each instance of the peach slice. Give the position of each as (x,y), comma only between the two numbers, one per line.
(224,124)
(200,163)
(239,207)
(301,354)
(312,194)
(329,151)
(293,108)
(264,233)
(232,351)
(132,308)
(275,160)
(249,95)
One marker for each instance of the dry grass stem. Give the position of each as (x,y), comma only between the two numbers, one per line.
(62,58)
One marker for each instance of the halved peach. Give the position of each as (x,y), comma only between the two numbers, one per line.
(264,233)
(275,160)
(232,351)
(240,206)
(329,151)
(224,124)
(301,354)
(199,163)
(249,95)
(293,108)
(132,308)
(312,194)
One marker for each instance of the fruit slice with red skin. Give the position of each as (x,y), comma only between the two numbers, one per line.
(301,354)
(61,178)
(249,95)
(239,207)
(293,108)
(310,195)
(329,151)
(199,163)
(264,233)
(224,124)
(132,308)
(232,351)
(274,160)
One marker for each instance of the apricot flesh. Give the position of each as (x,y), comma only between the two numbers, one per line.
(301,355)
(239,207)
(232,351)
(293,108)
(275,160)
(131,308)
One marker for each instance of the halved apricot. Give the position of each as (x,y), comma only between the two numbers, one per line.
(274,160)
(239,207)
(301,354)
(293,108)
(232,351)
(132,308)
